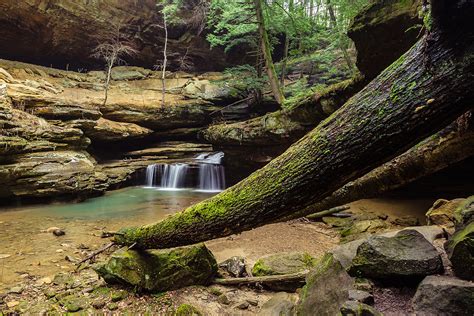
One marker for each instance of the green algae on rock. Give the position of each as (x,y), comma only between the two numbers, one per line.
(283,263)
(160,270)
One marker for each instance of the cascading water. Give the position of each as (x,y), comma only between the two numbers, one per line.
(210,175)
(211,172)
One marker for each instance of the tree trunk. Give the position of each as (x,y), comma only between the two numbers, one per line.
(426,89)
(446,148)
(272,76)
(343,48)
(165,60)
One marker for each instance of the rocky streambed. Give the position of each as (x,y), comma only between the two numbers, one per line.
(382,264)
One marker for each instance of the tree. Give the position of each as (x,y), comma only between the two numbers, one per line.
(423,91)
(112,48)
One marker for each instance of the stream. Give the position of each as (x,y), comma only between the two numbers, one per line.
(27,250)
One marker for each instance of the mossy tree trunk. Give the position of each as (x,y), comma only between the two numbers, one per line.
(451,145)
(425,90)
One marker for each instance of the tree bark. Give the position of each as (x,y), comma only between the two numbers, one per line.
(453,144)
(426,89)
(272,76)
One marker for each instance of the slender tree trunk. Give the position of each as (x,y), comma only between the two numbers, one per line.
(423,91)
(108,76)
(453,144)
(286,49)
(342,47)
(165,61)
(272,76)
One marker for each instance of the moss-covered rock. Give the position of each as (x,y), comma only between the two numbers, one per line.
(353,308)
(160,270)
(187,310)
(327,288)
(444,212)
(460,249)
(444,295)
(407,254)
(283,263)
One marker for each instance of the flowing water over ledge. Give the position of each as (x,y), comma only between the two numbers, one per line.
(26,249)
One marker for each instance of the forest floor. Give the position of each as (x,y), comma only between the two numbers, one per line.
(58,288)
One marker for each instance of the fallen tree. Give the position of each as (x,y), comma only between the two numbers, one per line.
(419,94)
(451,145)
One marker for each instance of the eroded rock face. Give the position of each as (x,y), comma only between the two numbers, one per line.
(66,31)
(407,254)
(444,295)
(160,270)
(383,31)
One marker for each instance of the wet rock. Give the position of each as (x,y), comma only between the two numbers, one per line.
(235,266)
(283,263)
(361,296)
(327,288)
(282,304)
(407,254)
(187,310)
(353,308)
(444,295)
(160,270)
(460,250)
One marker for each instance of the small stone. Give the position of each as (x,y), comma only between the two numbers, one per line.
(59,251)
(223,299)
(16,290)
(98,304)
(12,304)
(353,308)
(70,259)
(112,306)
(243,305)
(215,291)
(365,285)
(4,256)
(361,296)
(56,231)
(46,280)
(49,293)
(119,295)
(235,266)
(252,302)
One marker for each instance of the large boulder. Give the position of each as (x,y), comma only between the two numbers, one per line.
(283,263)
(444,295)
(406,255)
(383,31)
(160,270)
(327,288)
(444,212)
(460,249)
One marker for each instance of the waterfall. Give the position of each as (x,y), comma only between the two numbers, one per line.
(208,175)
(173,176)
(211,172)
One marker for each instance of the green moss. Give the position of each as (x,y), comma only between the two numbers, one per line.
(187,310)
(260,268)
(215,291)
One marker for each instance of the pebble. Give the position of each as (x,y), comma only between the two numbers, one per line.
(223,299)
(243,305)
(59,250)
(4,256)
(16,290)
(12,304)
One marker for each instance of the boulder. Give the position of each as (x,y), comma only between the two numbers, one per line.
(444,295)
(460,250)
(406,255)
(282,304)
(129,73)
(327,288)
(283,263)
(443,212)
(160,270)
(353,308)
(187,310)
(382,32)
(361,296)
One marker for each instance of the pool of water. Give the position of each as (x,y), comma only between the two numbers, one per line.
(25,247)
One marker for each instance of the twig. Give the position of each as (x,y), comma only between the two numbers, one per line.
(96,253)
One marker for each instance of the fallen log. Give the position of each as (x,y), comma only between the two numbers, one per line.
(300,276)
(419,94)
(453,144)
(328,212)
